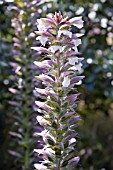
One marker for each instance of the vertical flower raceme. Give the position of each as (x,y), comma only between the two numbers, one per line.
(59,76)
(21,145)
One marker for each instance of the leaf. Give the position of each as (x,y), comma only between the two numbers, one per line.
(70,156)
(51,142)
(64,163)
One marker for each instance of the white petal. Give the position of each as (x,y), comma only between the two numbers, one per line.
(46,134)
(72,60)
(66,82)
(42,121)
(40,167)
(78,24)
(76,67)
(56,48)
(65,32)
(75,48)
(42,39)
(75,19)
(41,27)
(79,35)
(39,151)
(77,42)
(49,151)
(72,140)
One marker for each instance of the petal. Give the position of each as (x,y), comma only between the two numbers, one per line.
(75,49)
(66,82)
(70,54)
(42,39)
(55,48)
(66,73)
(40,49)
(40,167)
(42,121)
(41,65)
(68,114)
(72,140)
(65,32)
(77,21)
(77,42)
(76,79)
(74,119)
(79,24)
(42,105)
(45,78)
(46,92)
(74,161)
(76,67)
(73,60)
(77,35)
(44,64)
(72,98)
(73,135)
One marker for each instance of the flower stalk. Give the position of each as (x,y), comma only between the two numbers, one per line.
(25,13)
(59,75)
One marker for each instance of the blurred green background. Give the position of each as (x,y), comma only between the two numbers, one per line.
(17,20)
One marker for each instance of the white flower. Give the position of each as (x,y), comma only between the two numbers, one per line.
(66,82)
(64,29)
(75,49)
(65,32)
(72,140)
(45,134)
(79,24)
(73,60)
(42,121)
(55,48)
(39,151)
(42,39)
(76,67)
(40,166)
(45,151)
(77,42)
(79,35)
(42,26)
(77,21)
(48,151)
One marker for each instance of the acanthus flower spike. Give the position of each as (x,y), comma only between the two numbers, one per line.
(58,115)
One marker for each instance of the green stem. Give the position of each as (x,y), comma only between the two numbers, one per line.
(57,135)
(58,70)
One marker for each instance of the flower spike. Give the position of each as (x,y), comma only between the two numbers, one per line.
(58,115)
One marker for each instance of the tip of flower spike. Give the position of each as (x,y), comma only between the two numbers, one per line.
(58,17)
